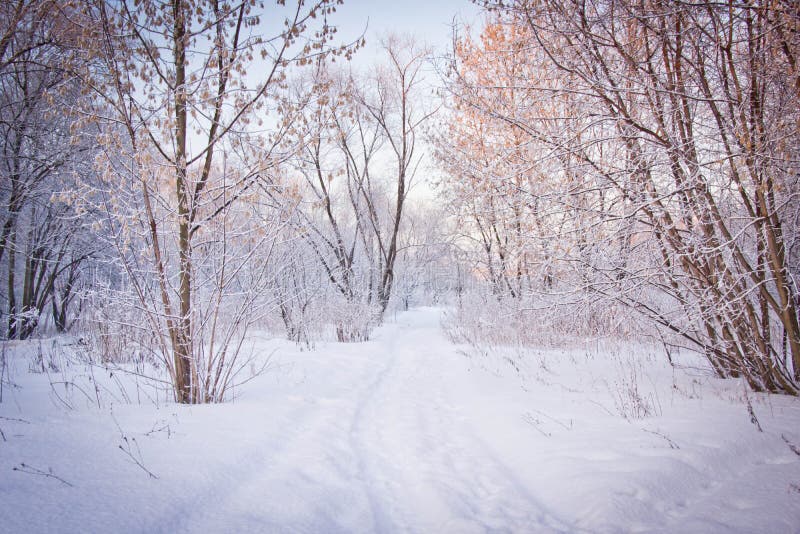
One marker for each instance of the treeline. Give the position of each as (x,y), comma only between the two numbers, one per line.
(640,154)
(176,173)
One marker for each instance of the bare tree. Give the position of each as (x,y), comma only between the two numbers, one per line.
(359,156)
(395,105)
(176,84)
(42,241)
(681,136)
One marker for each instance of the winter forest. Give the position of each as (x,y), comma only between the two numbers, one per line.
(352,266)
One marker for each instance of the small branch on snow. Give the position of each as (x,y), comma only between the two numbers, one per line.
(24,468)
(163,428)
(556,421)
(138,461)
(753,418)
(135,455)
(530,419)
(609,412)
(15,420)
(791,445)
(672,444)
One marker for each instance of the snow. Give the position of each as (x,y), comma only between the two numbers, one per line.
(405,433)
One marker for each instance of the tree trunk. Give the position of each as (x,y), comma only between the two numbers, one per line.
(12,301)
(186,386)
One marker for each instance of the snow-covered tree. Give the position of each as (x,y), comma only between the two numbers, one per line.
(183,95)
(44,242)
(359,135)
(676,156)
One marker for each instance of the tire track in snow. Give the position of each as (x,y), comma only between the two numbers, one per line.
(358,442)
(414,442)
(282,460)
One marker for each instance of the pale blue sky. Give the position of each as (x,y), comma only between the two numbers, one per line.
(428,20)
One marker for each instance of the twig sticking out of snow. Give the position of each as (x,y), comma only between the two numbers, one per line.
(609,412)
(672,444)
(15,420)
(163,428)
(753,418)
(3,367)
(556,421)
(135,455)
(534,422)
(791,445)
(25,468)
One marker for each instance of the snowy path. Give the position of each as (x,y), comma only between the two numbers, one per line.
(405,434)
(414,439)
(399,453)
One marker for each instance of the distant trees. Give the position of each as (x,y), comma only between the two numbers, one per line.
(43,242)
(495,192)
(668,134)
(360,137)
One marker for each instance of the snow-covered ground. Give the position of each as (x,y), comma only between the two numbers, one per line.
(405,433)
